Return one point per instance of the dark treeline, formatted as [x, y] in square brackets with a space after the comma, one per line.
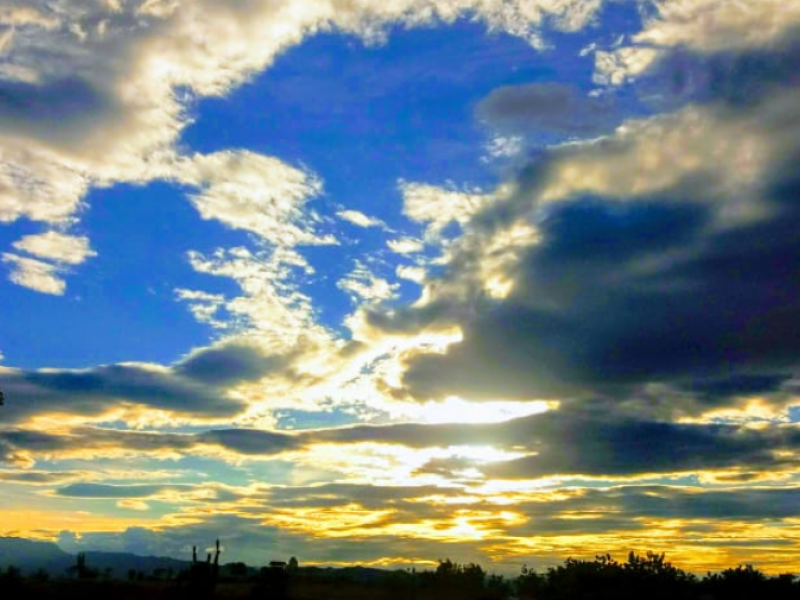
[647, 577]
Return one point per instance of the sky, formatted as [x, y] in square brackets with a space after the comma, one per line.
[379, 283]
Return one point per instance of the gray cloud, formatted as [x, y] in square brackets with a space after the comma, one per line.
[14, 441]
[59, 110]
[738, 78]
[99, 490]
[547, 108]
[229, 363]
[35, 477]
[91, 392]
[195, 386]
[576, 446]
[241, 441]
[250, 441]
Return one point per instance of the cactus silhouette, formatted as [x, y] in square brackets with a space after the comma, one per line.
[80, 570]
[203, 575]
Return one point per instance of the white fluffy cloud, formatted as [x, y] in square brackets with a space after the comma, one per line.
[623, 65]
[270, 305]
[256, 193]
[715, 25]
[702, 26]
[415, 274]
[437, 207]
[35, 275]
[204, 306]
[648, 155]
[405, 245]
[359, 219]
[35, 187]
[364, 286]
[57, 247]
[58, 250]
[99, 78]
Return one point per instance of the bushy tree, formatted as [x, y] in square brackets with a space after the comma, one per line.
[649, 576]
[237, 569]
[741, 582]
[458, 575]
[530, 584]
[293, 565]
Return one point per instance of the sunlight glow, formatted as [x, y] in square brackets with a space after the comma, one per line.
[457, 410]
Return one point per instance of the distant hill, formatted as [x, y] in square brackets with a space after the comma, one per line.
[122, 562]
[30, 556]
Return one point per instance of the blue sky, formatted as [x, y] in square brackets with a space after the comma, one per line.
[482, 276]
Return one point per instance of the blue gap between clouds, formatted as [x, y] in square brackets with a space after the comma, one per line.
[121, 304]
[361, 118]
[364, 117]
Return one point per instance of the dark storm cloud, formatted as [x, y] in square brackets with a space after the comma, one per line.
[749, 504]
[594, 442]
[601, 443]
[622, 294]
[195, 386]
[622, 291]
[577, 446]
[711, 390]
[554, 108]
[734, 77]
